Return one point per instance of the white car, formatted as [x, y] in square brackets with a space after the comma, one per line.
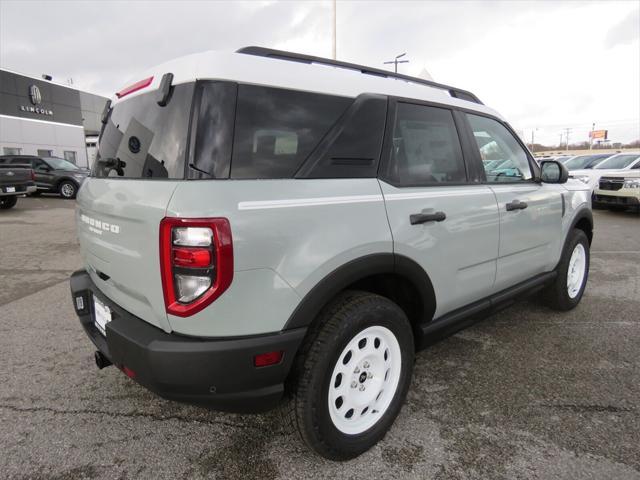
[617, 163]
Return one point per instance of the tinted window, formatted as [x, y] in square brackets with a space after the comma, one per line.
[21, 161]
[585, 161]
[214, 135]
[426, 148]
[352, 147]
[144, 140]
[503, 158]
[277, 129]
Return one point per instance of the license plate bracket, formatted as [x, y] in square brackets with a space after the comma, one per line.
[101, 315]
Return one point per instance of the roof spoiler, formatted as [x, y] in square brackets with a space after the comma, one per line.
[301, 58]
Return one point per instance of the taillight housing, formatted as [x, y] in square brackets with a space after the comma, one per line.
[196, 262]
[33, 175]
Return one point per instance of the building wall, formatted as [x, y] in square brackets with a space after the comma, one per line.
[33, 135]
[58, 118]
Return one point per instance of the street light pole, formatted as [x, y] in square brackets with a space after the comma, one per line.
[395, 61]
[334, 33]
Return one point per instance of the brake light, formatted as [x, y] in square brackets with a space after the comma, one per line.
[33, 175]
[135, 87]
[196, 262]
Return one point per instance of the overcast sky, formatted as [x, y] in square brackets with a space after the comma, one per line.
[544, 65]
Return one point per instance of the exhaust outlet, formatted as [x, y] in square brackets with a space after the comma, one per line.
[101, 360]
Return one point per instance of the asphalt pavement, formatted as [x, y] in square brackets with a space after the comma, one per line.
[528, 393]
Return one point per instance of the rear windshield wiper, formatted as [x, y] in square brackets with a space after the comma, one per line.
[191, 165]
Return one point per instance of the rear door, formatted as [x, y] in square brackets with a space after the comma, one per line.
[140, 162]
[440, 216]
[530, 211]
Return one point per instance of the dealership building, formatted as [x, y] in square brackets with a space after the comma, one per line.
[40, 117]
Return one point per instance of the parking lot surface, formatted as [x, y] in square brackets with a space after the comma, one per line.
[527, 393]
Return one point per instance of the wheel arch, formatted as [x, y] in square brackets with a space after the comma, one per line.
[394, 276]
[583, 220]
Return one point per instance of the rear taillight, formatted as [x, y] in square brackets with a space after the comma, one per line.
[33, 176]
[135, 87]
[196, 262]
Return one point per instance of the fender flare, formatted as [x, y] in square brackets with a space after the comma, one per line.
[583, 213]
[358, 269]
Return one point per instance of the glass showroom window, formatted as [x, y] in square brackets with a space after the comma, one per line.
[45, 153]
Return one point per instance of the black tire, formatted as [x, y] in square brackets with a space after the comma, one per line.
[8, 202]
[339, 322]
[68, 189]
[557, 295]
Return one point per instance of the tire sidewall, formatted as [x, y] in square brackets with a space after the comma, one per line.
[386, 315]
[577, 237]
[8, 202]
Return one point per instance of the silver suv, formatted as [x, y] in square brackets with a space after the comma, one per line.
[263, 227]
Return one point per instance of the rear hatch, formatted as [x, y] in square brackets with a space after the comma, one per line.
[140, 161]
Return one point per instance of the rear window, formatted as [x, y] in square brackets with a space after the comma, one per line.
[276, 129]
[144, 140]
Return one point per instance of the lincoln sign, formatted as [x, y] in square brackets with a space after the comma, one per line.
[36, 98]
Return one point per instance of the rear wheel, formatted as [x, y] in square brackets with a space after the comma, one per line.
[8, 202]
[573, 270]
[68, 189]
[353, 375]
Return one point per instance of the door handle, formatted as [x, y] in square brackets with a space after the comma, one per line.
[418, 218]
[516, 205]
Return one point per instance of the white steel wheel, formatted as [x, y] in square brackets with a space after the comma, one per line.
[364, 380]
[576, 270]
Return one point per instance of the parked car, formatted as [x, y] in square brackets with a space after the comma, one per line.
[619, 191]
[15, 180]
[52, 174]
[616, 163]
[295, 232]
[586, 162]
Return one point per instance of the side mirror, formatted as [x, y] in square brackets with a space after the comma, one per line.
[553, 172]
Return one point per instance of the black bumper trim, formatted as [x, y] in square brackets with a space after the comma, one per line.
[216, 373]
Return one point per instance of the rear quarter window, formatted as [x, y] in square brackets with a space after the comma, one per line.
[277, 129]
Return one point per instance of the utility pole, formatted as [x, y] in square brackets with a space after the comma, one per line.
[593, 127]
[395, 61]
[568, 130]
[560, 142]
[334, 33]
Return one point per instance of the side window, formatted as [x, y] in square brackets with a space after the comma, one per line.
[39, 164]
[277, 129]
[426, 148]
[503, 158]
[70, 156]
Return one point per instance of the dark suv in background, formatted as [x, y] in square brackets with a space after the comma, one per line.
[53, 175]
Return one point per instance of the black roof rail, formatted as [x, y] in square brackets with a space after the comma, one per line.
[378, 72]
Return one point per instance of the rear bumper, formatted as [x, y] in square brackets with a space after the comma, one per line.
[19, 190]
[218, 373]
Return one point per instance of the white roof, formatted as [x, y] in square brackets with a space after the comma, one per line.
[251, 69]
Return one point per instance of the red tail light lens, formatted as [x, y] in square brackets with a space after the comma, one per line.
[196, 262]
[33, 176]
[135, 87]
[192, 257]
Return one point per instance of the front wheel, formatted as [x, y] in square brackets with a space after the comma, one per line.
[8, 202]
[354, 373]
[573, 270]
[68, 190]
